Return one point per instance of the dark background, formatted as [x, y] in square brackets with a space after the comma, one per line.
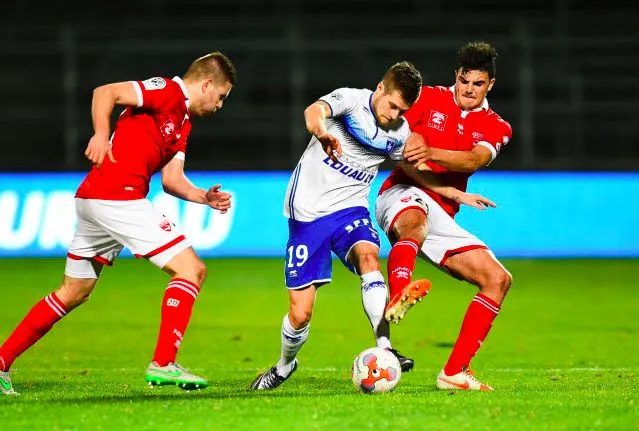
[566, 77]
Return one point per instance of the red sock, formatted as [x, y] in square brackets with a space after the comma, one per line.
[475, 327]
[401, 262]
[177, 306]
[38, 321]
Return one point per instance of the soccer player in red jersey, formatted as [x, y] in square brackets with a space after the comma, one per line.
[462, 135]
[113, 211]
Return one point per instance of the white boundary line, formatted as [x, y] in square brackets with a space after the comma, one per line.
[80, 369]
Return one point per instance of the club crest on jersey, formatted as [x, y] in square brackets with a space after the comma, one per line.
[165, 225]
[437, 120]
[154, 84]
[167, 129]
[390, 145]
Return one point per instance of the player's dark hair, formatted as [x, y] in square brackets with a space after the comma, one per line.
[477, 56]
[216, 66]
[405, 78]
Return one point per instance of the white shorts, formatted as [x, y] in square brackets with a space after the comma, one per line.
[445, 237]
[105, 227]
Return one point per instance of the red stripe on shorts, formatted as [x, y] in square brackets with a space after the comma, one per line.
[164, 247]
[414, 207]
[450, 253]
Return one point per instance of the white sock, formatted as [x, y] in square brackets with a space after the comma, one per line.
[292, 341]
[374, 299]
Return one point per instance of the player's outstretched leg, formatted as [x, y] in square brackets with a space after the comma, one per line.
[404, 300]
[35, 325]
[175, 375]
[292, 341]
[403, 292]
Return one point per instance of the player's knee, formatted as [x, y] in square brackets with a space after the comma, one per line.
[200, 272]
[500, 281]
[193, 270]
[412, 224]
[300, 317]
[505, 281]
[75, 292]
[366, 259]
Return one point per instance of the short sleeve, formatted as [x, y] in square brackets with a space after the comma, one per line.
[154, 94]
[495, 137]
[398, 153]
[341, 100]
[182, 142]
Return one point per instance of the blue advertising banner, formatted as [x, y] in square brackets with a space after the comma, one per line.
[538, 214]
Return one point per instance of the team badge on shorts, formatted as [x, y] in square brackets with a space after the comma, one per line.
[415, 198]
[165, 225]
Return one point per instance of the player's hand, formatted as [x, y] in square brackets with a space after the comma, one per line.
[474, 200]
[417, 152]
[331, 146]
[217, 199]
[98, 148]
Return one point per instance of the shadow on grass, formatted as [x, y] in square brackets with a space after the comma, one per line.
[311, 387]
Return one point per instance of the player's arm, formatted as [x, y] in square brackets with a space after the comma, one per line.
[176, 183]
[104, 100]
[416, 151]
[315, 116]
[461, 161]
[428, 180]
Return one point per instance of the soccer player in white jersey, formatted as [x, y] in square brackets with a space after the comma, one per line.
[354, 131]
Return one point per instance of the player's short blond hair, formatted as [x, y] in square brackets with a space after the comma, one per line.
[405, 78]
[215, 66]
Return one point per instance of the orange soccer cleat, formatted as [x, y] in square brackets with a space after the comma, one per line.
[410, 295]
[464, 380]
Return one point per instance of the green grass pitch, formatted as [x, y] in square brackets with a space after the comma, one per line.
[563, 354]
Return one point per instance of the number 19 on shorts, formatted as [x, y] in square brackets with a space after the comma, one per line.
[297, 255]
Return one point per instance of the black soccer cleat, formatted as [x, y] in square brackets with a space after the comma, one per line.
[270, 379]
[405, 363]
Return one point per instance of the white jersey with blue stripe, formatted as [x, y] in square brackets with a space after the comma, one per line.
[319, 186]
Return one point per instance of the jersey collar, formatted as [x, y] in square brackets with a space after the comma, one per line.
[184, 90]
[483, 106]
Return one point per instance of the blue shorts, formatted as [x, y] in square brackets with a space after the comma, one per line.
[309, 247]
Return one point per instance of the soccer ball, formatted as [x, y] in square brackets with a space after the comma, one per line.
[376, 370]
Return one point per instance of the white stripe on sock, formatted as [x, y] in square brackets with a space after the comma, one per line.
[54, 306]
[409, 243]
[191, 287]
[179, 286]
[486, 304]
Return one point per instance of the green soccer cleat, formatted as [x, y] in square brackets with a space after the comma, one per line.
[174, 374]
[5, 384]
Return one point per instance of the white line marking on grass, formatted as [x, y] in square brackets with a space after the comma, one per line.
[335, 369]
